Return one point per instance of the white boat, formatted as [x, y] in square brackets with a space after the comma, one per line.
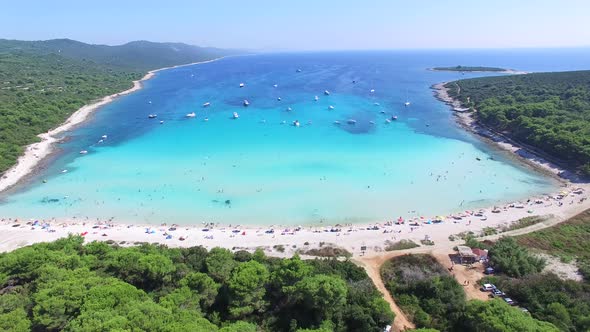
[289, 109]
[336, 122]
[83, 152]
[64, 171]
[394, 117]
[207, 104]
[149, 102]
[235, 116]
[330, 107]
[162, 122]
[407, 103]
[387, 121]
[296, 123]
[326, 92]
[152, 116]
[241, 85]
[351, 121]
[372, 90]
[316, 98]
[276, 85]
[100, 140]
[246, 102]
[104, 136]
[191, 115]
[376, 104]
[372, 122]
[206, 119]
[279, 99]
[283, 122]
[298, 70]
[382, 112]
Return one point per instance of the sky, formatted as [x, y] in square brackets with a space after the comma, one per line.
[305, 24]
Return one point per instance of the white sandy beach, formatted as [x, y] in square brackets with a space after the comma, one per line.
[350, 237]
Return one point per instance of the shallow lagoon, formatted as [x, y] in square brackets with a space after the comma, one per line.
[260, 169]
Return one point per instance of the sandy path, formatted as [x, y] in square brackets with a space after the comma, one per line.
[373, 268]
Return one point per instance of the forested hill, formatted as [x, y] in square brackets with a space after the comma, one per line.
[135, 56]
[43, 82]
[549, 111]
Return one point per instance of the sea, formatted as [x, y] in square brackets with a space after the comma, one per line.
[347, 161]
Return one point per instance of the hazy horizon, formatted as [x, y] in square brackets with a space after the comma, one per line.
[306, 25]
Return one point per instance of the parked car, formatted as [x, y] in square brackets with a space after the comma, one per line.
[497, 292]
[489, 270]
[487, 287]
[509, 301]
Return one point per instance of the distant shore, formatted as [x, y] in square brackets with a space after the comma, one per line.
[502, 71]
[37, 152]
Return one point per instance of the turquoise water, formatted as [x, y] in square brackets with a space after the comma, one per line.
[257, 170]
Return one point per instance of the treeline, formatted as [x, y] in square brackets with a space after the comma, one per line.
[433, 299]
[549, 111]
[68, 286]
[42, 83]
[469, 68]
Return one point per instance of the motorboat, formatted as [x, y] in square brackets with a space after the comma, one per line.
[330, 107]
[376, 104]
[394, 117]
[296, 123]
[191, 115]
[407, 103]
[372, 122]
[372, 90]
[206, 119]
[207, 104]
[298, 70]
[242, 85]
[279, 98]
[387, 121]
[351, 121]
[152, 116]
[276, 85]
[104, 136]
[316, 98]
[326, 92]
[289, 109]
[83, 152]
[235, 115]
[246, 102]
[337, 122]
[162, 122]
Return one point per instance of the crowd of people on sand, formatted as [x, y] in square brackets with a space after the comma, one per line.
[208, 230]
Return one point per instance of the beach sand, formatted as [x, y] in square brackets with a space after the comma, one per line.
[350, 237]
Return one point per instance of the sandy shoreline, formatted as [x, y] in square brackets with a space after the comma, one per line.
[35, 153]
[350, 237]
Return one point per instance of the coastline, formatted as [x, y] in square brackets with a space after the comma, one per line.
[37, 152]
[525, 154]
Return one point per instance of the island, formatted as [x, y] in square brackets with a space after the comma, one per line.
[473, 69]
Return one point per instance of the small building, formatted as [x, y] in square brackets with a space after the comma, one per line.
[480, 254]
[466, 255]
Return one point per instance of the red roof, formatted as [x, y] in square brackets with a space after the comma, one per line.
[479, 252]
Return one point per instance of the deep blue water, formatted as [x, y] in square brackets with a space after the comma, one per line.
[260, 169]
